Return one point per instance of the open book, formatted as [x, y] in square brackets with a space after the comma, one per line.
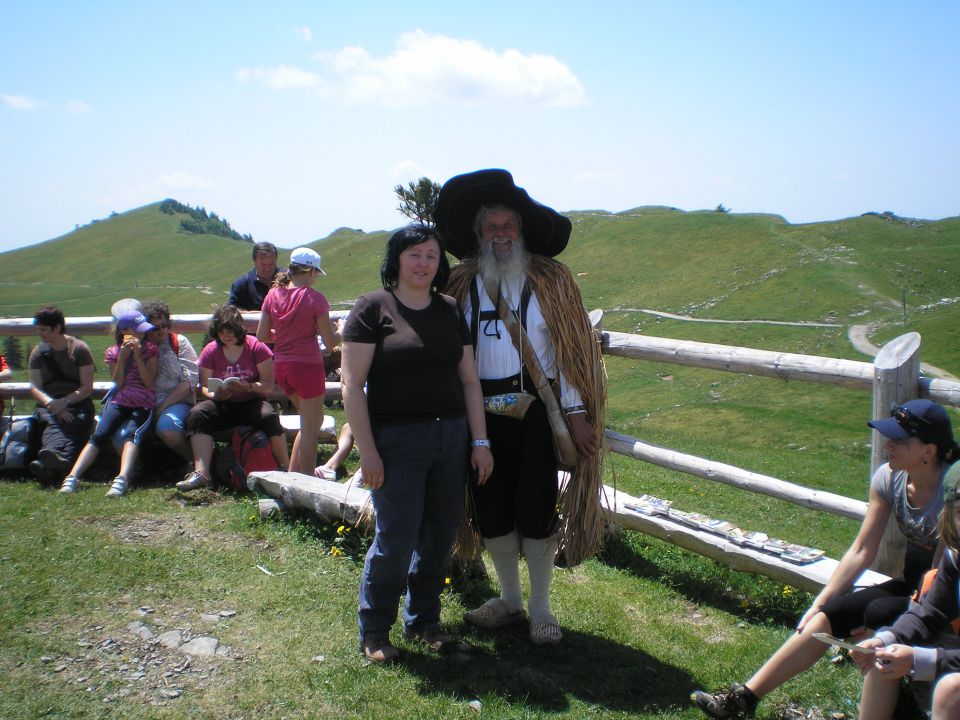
[214, 384]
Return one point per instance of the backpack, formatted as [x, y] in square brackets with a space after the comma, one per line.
[249, 451]
[17, 443]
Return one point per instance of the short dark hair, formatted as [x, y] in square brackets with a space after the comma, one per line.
[51, 316]
[226, 317]
[407, 237]
[155, 308]
[264, 247]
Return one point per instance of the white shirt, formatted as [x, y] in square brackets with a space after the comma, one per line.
[498, 357]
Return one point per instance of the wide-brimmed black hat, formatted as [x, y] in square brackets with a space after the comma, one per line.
[545, 231]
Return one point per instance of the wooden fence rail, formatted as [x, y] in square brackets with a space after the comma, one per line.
[899, 362]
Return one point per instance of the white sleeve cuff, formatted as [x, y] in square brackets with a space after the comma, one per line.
[924, 663]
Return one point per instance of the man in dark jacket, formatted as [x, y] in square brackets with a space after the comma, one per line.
[249, 290]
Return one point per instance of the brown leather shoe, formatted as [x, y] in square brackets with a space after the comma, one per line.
[437, 641]
[380, 651]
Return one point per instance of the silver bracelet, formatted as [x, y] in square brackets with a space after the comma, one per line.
[482, 442]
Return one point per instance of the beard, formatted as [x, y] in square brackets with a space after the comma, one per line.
[507, 269]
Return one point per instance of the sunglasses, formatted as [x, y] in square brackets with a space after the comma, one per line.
[160, 325]
[907, 420]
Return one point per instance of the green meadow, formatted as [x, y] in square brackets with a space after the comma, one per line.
[645, 622]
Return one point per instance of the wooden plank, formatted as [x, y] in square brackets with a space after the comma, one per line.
[786, 366]
[737, 477]
[335, 502]
[810, 577]
[22, 390]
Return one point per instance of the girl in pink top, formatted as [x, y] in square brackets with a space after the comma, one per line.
[133, 365]
[293, 315]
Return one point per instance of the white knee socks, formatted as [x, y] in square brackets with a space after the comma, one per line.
[505, 554]
[539, 555]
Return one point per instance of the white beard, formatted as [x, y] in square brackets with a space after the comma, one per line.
[505, 270]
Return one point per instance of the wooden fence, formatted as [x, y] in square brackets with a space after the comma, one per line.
[893, 376]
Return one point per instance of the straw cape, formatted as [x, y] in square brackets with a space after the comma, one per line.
[580, 533]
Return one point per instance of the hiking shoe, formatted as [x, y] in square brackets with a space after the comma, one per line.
[69, 486]
[50, 460]
[736, 702]
[194, 480]
[41, 473]
[119, 487]
[380, 651]
[494, 614]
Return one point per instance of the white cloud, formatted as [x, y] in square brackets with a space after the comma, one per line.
[20, 102]
[304, 33]
[282, 77]
[425, 68]
[179, 180]
[78, 106]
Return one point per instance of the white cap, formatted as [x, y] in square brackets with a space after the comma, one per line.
[120, 307]
[306, 256]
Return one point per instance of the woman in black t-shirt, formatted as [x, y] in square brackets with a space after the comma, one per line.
[411, 347]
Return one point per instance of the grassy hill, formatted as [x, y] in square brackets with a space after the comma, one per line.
[655, 608]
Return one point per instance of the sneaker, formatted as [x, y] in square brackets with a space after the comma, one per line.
[194, 480]
[737, 702]
[69, 486]
[119, 488]
[325, 473]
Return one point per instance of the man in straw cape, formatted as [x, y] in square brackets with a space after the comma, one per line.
[506, 243]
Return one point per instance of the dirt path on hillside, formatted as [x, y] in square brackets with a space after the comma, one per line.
[859, 336]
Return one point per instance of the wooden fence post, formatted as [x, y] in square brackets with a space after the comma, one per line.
[896, 373]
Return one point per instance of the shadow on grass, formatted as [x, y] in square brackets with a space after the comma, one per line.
[590, 668]
[710, 584]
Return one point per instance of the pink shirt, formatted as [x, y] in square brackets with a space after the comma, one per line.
[133, 393]
[254, 352]
[294, 314]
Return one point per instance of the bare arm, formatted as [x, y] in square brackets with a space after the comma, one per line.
[481, 458]
[357, 359]
[59, 406]
[858, 556]
[264, 386]
[265, 331]
[329, 331]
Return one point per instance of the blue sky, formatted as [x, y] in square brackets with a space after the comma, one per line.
[292, 119]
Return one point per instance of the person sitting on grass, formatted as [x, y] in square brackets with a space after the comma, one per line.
[244, 368]
[133, 365]
[920, 448]
[914, 645]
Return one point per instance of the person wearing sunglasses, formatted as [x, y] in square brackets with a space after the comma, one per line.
[920, 449]
[177, 376]
[921, 644]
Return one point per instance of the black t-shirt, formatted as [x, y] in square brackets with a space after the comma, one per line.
[414, 370]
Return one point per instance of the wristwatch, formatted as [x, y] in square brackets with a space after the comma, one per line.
[482, 442]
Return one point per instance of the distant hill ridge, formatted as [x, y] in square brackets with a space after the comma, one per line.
[868, 269]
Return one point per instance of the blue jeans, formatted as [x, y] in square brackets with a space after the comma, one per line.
[131, 422]
[418, 513]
